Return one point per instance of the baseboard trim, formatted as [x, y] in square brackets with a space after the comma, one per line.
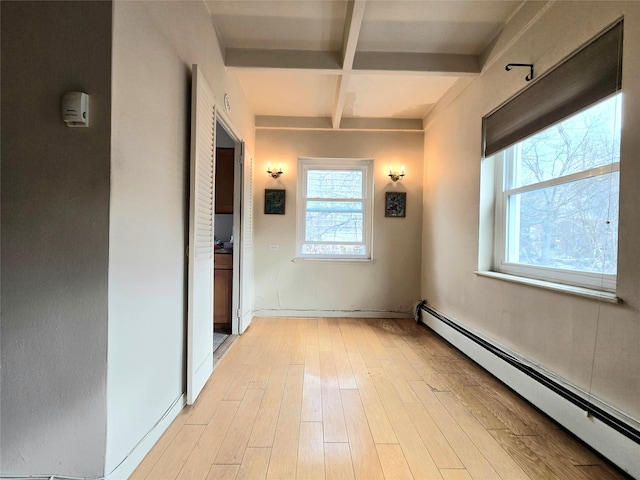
[607, 434]
[332, 313]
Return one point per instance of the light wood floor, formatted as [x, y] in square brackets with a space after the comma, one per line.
[360, 399]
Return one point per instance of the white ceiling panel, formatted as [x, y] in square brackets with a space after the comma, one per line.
[285, 93]
[394, 96]
[463, 27]
[277, 24]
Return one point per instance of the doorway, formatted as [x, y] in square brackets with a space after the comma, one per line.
[225, 224]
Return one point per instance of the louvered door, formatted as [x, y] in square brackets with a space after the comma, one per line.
[201, 216]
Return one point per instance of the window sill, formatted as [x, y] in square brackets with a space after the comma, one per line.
[608, 297]
[334, 261]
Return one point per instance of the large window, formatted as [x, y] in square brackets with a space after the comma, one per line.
[555, 150]
[557, 200]
[334, 208]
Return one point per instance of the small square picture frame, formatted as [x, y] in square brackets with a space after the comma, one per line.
[274, 201]
[395, 204]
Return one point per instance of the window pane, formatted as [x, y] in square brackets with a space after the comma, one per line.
[589, 139]
[572, 225]
[333, 249]
[329, 206]
[334, 184]
[334, 226]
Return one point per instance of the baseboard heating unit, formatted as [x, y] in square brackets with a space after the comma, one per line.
[590, 420]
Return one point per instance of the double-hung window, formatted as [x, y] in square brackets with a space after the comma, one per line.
[557, 171]
[334, 208]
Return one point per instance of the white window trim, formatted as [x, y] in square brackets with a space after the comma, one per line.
[363, 164]
[588, 280]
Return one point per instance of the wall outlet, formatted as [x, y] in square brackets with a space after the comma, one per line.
[273, 247]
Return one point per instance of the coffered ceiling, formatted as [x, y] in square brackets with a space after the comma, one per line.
[353, 64]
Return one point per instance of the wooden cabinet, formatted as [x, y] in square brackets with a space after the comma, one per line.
[222, 288]
[224, 180]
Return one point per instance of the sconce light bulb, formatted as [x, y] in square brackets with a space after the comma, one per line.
[402, 170]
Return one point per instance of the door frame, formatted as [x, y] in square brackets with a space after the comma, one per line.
[238, 184]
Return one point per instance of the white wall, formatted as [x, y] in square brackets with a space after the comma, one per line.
[55, 212]
[154, 46]
[563, 333]
[392, 283]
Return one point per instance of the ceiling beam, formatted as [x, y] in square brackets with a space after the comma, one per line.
[409, 62]
[267, 122]
[293, 123]
[338, 104]
[352, 25]
[307, 60]
[329, 63]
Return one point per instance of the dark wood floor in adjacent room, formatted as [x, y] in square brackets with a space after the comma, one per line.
[336, 398]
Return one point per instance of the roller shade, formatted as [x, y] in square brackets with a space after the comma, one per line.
[589, 75]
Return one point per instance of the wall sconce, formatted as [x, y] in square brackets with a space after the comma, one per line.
[271, 172]
[395, 176]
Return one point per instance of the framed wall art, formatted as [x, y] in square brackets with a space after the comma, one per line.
[274, 202]
[395, 204]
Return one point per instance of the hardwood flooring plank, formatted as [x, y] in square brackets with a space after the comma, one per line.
[400, 385]
[241, 382]
[600, 472]
[334, 428]
[348, 338]
[508, 417]
[324, 336]
[366, 465]
[420, 462]
[312, 332]
[284, 453]
[208, 401]
[475, 463]
[528, 460]
[437, 445]
[223, 472]
[572, 449]
[475, 405]
[310, 452]
[176, 454]
[337, 461]
[260, 378]
[394, 465]
[494, 453]
[386, 330]
[559, 464]
[264, 427]
[343, 366]
[379, 424]
[448, 474]
[403, 365]
[254, 464]
[377, 347]
[311, 390]
[237, 437]
[430, 377]
[205, 451]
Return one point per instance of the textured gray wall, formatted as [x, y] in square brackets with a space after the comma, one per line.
[55, 212]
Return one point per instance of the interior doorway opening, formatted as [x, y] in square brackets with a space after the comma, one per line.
[225, 225]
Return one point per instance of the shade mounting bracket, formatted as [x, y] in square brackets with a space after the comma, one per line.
[529, 77]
